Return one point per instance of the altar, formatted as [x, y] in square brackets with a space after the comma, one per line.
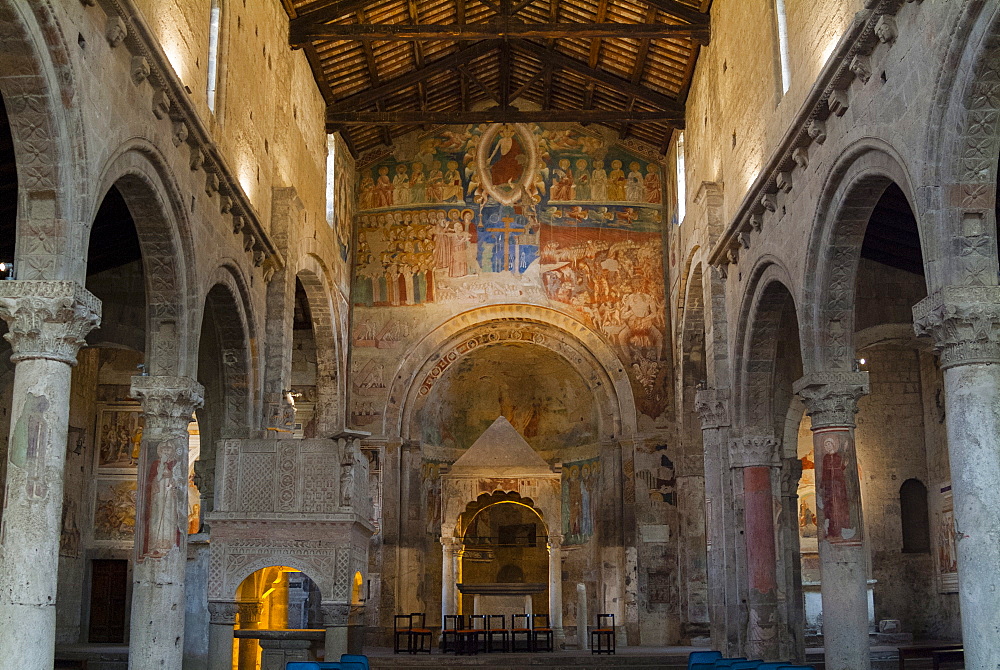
[507, 599]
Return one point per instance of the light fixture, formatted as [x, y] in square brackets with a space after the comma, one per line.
[6, 269]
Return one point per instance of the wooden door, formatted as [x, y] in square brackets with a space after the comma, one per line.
[108, 600]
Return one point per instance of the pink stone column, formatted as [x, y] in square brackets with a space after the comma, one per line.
[158, 574]
[756, 456]
[47, 322]
[965, 323]
[832, 401]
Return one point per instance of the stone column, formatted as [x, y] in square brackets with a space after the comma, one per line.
[47, 322]
[831, 400]
[756, 456]
[791, 562]
[222, 618]
[336, 616]
[249, 619]
[555, 591]
[449, 576]
[965, 323]
[157, 624]
[713, 407]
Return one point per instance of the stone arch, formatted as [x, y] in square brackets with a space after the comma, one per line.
[226, 304]
[963, 149]
[587, 352]
[852, 190]
[498, 497]
[139, 172]
[756, 355]
[37, 83]
[224, 582]
[315, 279]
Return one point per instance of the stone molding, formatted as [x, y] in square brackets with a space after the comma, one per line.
[222, 612]
[335, 615]
[831, 398]
[168, 402]
[828, 100]
[47, 319]
[754, 451]
[713, 407]
[964, 322]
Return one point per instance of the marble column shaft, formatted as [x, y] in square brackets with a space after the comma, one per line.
[965, 323]
[157, 624]
[713, 407]
[222, 618]
[555, 590]
[47, 322]
[756, 456]
[249, 619]
[831, 401]
[336, 617]
[449, 576]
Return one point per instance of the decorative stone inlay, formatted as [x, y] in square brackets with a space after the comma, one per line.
[964, 322]
[168, 402]
[222, 612]
[831, 398]
[713, 407]
[754, 451]
[47, 319]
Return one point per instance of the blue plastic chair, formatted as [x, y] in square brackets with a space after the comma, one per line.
[795, 667]
[747, 665]
[355, 658]
[703, 658]
[350, 665]
[304, 665]
[772, 665]
[728, 663]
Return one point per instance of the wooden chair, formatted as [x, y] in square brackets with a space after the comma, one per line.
[420, 634]
[541, 633]
[401, 625]
[523, 629]
[451, 625]
[602, 638]
[496, 626]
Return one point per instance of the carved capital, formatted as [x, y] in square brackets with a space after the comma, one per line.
[168, 402]
[713, 407]
[222, 612]
[753, 451]
[964, 322]
[831, 398]
[335, 614]
[791, 472]
[451, 544]
[47, 319]
[555, 541]
[249, 612]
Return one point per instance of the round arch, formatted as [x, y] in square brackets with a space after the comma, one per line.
[37, 84]
[756, 354]
[852, 189]
[234, 576]
[590, 355]
[963, 150]
[138, 170]
[315, 279]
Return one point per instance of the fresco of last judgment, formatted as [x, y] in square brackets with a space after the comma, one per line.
[552, 216]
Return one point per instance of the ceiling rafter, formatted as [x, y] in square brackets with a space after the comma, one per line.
[499, 115]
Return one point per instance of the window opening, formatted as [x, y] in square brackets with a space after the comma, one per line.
[214, 25]
[681, 180]
[786, 68]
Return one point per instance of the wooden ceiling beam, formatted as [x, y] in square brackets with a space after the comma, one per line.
[373, 74]
[680, 11]
[625, 86]
[498, 115]
[310, 14]
[447, 64]
[492, 29]
[480, 84]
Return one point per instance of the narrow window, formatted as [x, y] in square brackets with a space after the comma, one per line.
[681, 179]
[914, 518]
[786, 68]
[214, 25]
[331, 180]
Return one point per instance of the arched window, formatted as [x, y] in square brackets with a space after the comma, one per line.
[214, 30]
[913, 517]
[681, 178]
[782, 26]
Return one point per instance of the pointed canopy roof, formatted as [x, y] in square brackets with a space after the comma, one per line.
[501, 452]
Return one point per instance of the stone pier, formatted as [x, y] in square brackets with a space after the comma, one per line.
[47, 322]
[831, 400]
[555, 591]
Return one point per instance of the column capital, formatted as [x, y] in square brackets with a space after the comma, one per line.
[222, 612]
[249, 612]
[555, 541]
[964, 322]
[713, 407]
[47, 319]
[168, 402]
[451, 543]
[752, 451]
[831, 398]
[335, 614]
[791, 472]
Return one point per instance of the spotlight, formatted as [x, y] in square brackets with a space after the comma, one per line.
[6, 270]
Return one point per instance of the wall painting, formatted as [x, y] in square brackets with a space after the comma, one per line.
[580, 482]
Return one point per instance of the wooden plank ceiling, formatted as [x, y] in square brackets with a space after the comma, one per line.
[387, 67]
